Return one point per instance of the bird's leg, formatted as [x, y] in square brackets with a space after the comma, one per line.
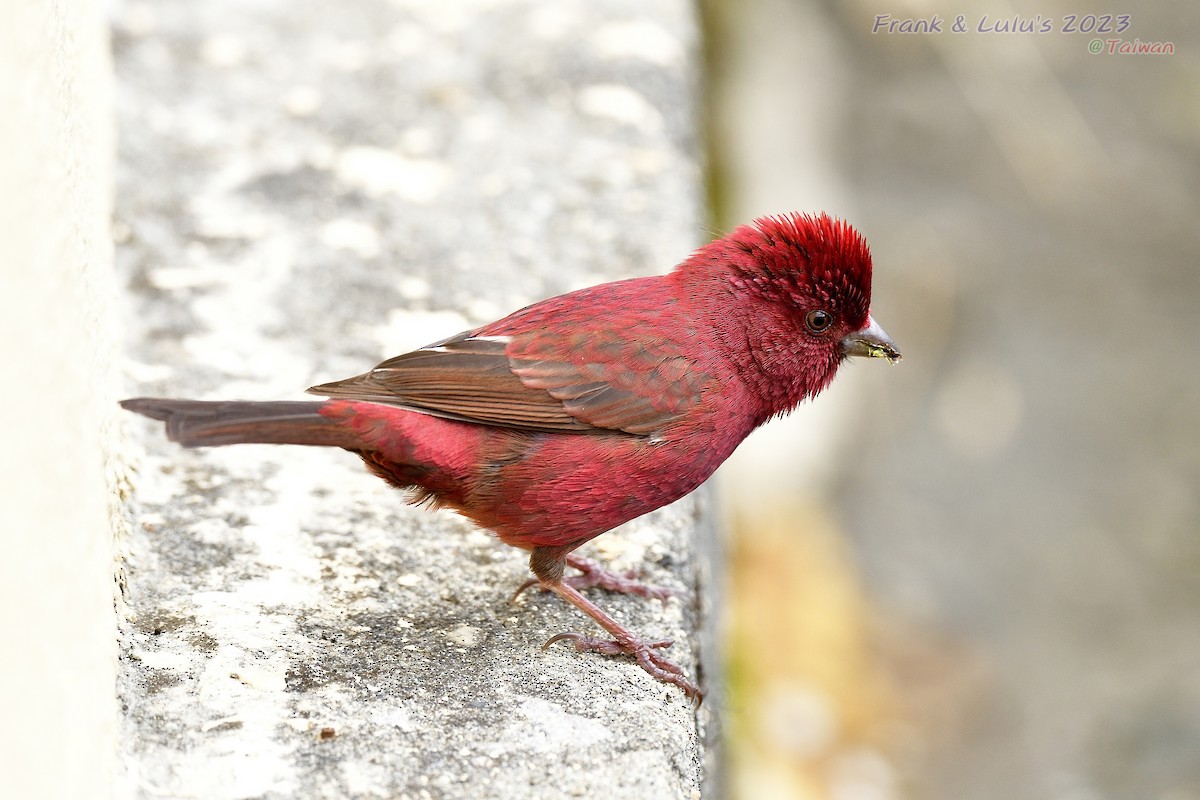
[547, 564]
[594, 574]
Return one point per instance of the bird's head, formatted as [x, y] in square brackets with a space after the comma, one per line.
[799, 289]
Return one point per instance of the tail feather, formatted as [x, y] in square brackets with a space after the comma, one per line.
[202, 423]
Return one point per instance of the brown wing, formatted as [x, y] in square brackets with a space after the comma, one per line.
[581, 383]
[611, 378]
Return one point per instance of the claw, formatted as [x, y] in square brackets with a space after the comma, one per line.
[586, 644]
[558, 637]
[521, 589]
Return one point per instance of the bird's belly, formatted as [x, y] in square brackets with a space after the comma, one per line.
[568, 489]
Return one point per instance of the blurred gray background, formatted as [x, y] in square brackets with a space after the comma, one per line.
[1020, 494]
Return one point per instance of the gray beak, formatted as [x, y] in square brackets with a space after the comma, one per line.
[871, 342]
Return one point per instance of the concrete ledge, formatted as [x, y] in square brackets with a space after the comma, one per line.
[304, 189]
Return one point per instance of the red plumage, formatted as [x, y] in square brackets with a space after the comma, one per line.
[581, 412]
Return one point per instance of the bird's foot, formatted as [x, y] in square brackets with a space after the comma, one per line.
[547, 564]
[643, 652]
[593, 574]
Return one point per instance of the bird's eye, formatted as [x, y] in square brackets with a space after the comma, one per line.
[818, 321]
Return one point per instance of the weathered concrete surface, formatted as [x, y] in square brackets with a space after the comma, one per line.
[56, 506]
[306, 188]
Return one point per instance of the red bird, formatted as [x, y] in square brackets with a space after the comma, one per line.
[584, 411]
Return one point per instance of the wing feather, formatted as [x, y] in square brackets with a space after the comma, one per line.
[595, 383]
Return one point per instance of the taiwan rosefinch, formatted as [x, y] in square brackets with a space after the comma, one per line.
[581, 412]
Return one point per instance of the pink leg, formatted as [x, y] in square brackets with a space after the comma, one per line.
[547, 564]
